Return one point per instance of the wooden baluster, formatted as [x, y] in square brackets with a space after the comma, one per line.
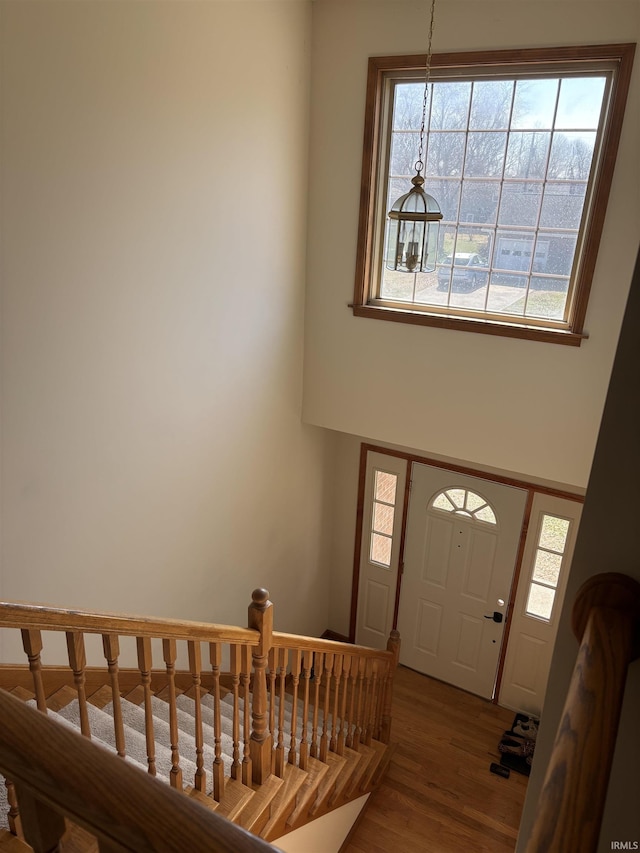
[111, 648]
[283, 656]
[215, 658]
[353, 690]
[235, 663]
[78, 663]
[383, 672]
[13, 814]
[195, 666]
[260, 619]
[346, 667]
[393, 645]
[376, 701]
[169, 654]
[368, 700]
[307, 662]
[296, 659]
[328, 668]
[335, 722]
[32, 644]
[247, 771]
[358, 732]
[272, 702]
[43, 826]
[318, 672]
[143, 645]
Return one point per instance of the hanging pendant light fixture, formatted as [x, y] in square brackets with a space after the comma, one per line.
[414, 219]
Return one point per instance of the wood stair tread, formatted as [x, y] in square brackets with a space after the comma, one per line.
[354, 761]
[23, 693]
[102, 696]
[236, 796]
[257, 812]
[61, 698]
[368, 756]
[165, 693]
[316, 772]
[135, 696]
[12, 844]
[204, 800]
[379, 750]
[284, 802]
[336, 765]
[383, 766]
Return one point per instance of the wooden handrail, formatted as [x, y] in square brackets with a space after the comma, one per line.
[314, 644]
[355, 704]
[63, 773]
[40, 617]
[606, 621]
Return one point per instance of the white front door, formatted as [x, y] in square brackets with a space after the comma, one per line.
[545, 568]
[461, 547]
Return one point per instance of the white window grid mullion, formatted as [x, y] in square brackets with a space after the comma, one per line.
[544, 186]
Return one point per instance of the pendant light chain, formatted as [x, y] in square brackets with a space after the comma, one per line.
[427, 73]
[413, 222]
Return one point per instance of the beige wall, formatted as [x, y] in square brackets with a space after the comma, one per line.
[153, 457]
[608, 540]
[522, 406]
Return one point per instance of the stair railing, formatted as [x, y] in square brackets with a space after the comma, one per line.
[341, 693]
[606, 622]
[58, 773]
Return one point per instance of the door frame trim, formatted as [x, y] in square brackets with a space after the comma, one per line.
[526, 485]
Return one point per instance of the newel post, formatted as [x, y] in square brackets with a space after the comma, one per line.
[606, 621]
[260, 619]
[393, 646]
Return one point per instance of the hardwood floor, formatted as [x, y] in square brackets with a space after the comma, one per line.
[438, 794]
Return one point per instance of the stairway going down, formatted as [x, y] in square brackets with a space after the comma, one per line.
[268, 741]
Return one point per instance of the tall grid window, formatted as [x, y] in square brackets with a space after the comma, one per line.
[547, 564]
[382, 517]
[519, 155]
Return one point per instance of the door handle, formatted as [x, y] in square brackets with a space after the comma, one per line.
[496, 616]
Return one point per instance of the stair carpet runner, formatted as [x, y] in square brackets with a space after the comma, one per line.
[324, 783]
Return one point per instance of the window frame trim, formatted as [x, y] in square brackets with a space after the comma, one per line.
[366, 305]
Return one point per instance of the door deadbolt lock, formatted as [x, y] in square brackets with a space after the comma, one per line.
[496, 616]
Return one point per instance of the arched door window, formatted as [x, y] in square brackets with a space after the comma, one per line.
[465, 502]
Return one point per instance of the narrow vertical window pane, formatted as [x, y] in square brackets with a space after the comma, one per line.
[540, 602]
[386, 487]
[381, 549]
[383, 518]
[553, 535]
[547, 567]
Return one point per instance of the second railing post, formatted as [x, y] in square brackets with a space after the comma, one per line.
[260, 619]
